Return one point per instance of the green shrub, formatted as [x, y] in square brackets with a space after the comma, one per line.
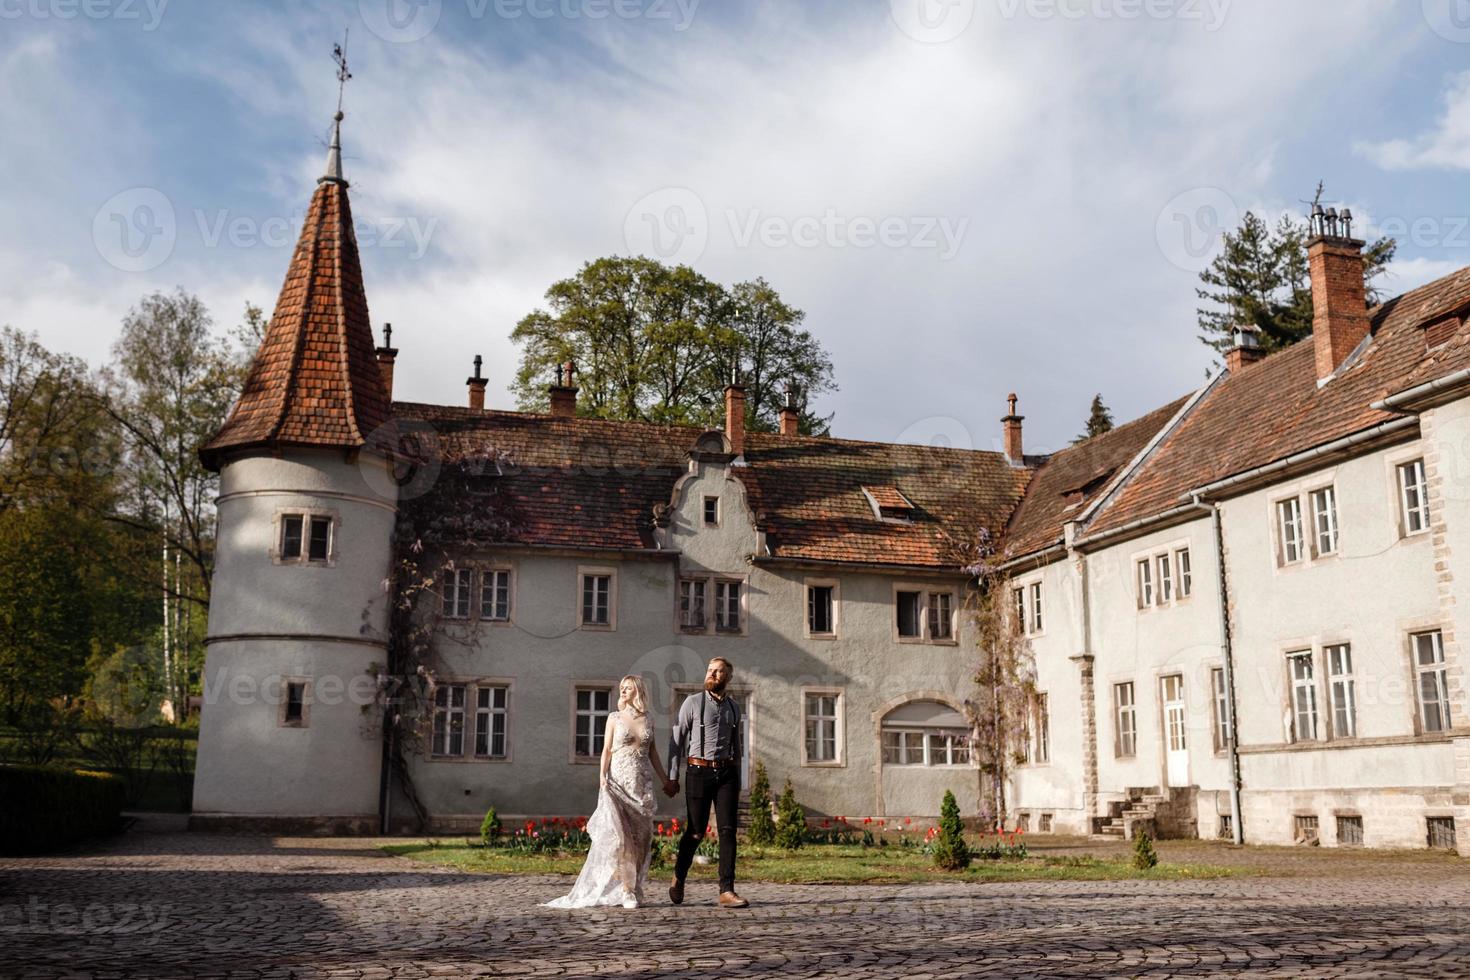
[48, 808]
[790, 820]
[1144, 855]
[490, 828]
[762, 829]
[950, 850]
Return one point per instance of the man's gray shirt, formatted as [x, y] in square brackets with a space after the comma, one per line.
[705, 729]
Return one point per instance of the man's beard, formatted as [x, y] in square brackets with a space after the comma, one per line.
[715, 686]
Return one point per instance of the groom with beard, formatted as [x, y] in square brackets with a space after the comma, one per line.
[707, 732]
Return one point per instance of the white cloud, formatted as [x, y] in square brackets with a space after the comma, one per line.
[1445, 146]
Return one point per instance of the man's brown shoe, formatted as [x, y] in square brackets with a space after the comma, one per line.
[730, 900]
[676, 892]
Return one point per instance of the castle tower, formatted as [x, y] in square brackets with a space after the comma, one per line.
[307, 504]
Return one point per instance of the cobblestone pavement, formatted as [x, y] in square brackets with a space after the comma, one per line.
[159, 902]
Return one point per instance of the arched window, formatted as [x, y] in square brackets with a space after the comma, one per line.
[925, 733]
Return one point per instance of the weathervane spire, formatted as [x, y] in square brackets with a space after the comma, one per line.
[334, 153]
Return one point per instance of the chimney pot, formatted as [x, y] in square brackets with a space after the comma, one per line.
[477, 387]
[790, 414]
[1245, 351]
[387, 354]
[1339, 296]
[563, 392]
[1014, 451]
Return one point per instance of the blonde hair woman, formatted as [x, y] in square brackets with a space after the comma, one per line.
[621, 826]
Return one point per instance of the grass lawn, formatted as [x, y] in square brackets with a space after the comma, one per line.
[816, 864]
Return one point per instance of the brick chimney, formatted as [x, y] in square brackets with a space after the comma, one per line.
[387, 354]
[790, 414]
[1013, 433]
[1245, 350]
[564, 393]
[1339, 298]
[477, 387]
[735, 415]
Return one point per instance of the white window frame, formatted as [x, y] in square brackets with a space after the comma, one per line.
[1125, 736]
[806, 612]
[1411, 512]
[450, 712]
[1041, 727]
[1302, 694]
[1342, 695]
[1184, 569]
[947, 615]
[583, 573]
[457, 583]
[1438, 670]
[1018, 607]
[510, 594]
[839, 760]
[921, 630]
[698, 590]
[722, 606]
[1290, 542]
[951, 742]
[704, 503]
[1035, 595]
[1143, 570]
[1164, 566]
[307, 515]
[1324, 521]
[488, 714]
[1220, 710]
[597, 726]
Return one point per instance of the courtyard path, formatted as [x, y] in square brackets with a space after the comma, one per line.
[159, 902]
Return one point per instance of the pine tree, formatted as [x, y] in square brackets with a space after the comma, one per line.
[762, 829]
[1099, 420]
[790, 820]
[1261, 278]
[951, 853]
[1144, 855]
[490, 828]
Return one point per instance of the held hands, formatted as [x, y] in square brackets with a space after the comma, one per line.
[671, 786]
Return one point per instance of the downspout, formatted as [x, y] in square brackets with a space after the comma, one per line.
[1237, 832]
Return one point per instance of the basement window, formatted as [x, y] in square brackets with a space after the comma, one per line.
[1306, 829]
[1350, 831]
[1441, 831]
[1226, 830]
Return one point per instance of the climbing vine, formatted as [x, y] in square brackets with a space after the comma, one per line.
[1005, 674]
[463, 509]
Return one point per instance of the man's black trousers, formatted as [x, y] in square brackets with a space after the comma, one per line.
[703, 788]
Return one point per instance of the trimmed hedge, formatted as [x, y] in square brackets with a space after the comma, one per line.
[42, 809]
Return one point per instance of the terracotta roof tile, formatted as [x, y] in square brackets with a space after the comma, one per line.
[1275, 409]
[315, 380]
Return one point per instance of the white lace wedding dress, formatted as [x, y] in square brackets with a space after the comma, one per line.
[621, 827]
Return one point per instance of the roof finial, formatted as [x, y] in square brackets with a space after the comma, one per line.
[334, 153]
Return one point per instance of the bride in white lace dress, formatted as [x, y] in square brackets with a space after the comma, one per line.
[621, 827]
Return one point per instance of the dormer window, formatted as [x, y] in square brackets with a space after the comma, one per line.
[1439, 332]
[889, 504]
[1076, 495]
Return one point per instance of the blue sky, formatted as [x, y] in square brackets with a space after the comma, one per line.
[967, 197]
